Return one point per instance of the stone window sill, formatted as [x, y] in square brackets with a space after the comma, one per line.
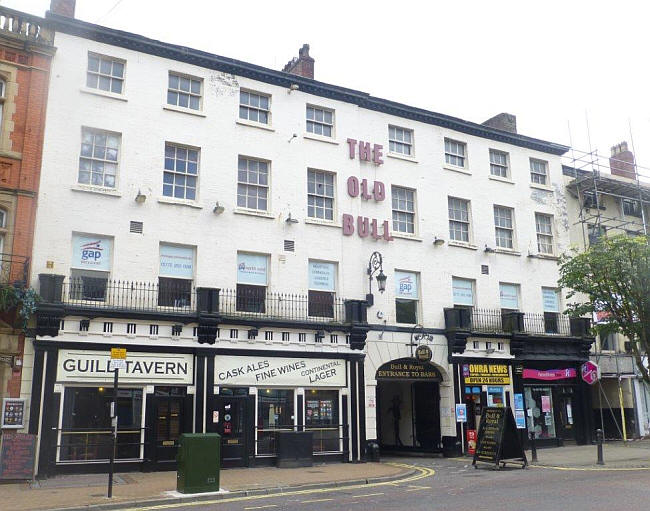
[460, 170]
[244, 122]
[507, 251]
[404, 236]
[252, 212]
[402, 157]
[461, 244]
[96, 189]
[105, 94]
[541, 187]
[179, 202]
[550, 257]
[182, 110]
[319, 138]
[326, 223]
[501, 179]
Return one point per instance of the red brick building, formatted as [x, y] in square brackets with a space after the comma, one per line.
[26, 51]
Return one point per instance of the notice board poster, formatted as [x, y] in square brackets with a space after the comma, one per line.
[498, 440]
[17, 456]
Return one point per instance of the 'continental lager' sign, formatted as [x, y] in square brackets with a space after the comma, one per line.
[486, 374]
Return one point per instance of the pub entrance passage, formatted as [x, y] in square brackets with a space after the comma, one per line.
[408, 406]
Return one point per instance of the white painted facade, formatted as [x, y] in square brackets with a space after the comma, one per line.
[145, 123]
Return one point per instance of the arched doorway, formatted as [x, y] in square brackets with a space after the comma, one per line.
[408, 406]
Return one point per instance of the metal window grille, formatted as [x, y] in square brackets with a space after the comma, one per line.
[302, 337]
[108, 327]
[153, 329]
[268, 335]
[131, 328]
[234, 333]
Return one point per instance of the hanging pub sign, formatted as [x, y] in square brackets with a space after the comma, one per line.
[423, 353]
[498, 440]
[486, 374]
[408, 369]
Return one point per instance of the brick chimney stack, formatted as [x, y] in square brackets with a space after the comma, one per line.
[302, 65]
[63, 7]
[621, 162]
[503, 122]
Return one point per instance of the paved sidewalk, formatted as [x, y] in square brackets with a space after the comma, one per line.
[83, 490]
[634, 454]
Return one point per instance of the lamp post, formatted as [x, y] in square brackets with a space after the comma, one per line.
[375, 264]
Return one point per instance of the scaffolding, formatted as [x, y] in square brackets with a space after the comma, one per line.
[613, 194]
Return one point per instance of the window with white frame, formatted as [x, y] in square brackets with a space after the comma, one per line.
[538, 171]
[254, 107]
[455, 153]
[503, 227]
[499, 163]
[406, 297]
[403, 209]
[463, 292]
[320, 121]
[98, 158]
[400, 140]
[252, 184]
[252, 280]
[181, 172]
[459, 219]
[105, 73]
[320, 194]
[509, 297]
[551, 306]
[90, 266]
[544, 228]
[184, 91]
[322, 289]
[176, 275]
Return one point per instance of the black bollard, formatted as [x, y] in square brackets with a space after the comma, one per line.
[533, 449]
[599, 441]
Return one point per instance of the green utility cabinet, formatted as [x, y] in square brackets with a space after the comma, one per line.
[199, 463]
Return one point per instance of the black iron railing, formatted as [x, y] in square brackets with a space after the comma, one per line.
[502, 321]
[179, 296]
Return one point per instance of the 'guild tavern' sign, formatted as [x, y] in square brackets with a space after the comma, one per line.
[366, 227]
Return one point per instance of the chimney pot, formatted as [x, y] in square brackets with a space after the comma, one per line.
[302, 65]
[63, 7]
[621, 161]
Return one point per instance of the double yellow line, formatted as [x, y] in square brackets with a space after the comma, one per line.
[420, 473]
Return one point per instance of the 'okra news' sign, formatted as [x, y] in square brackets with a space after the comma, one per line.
[279, 371]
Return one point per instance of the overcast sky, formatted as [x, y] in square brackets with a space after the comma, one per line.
[551, 63]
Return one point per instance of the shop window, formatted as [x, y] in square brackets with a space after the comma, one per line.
[86, 428]
[252, 280]
[274, 412]
[322, 418]
[176, 275]
[539, 400]
[406, 297]
[495, 396]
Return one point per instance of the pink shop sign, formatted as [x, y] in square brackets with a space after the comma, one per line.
[549, 374]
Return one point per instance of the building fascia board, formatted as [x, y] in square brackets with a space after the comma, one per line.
[200, 58]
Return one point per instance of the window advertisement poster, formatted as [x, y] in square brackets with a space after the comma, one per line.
[546, 404]
[406, 285]
[519, 401]
[461, 412]
[509, 296]
[252, 269]
[176, 261]
[463, 292]
[91, 252]
[322, 276]
[551, 300]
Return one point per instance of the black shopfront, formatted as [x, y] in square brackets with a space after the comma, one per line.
[167, 391]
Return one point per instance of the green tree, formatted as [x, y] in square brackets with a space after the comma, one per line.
[612, 278]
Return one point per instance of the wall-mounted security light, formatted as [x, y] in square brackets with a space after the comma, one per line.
[292, 87]
[218, 209]
[489, 250]
[438, 241]
[140, 198]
